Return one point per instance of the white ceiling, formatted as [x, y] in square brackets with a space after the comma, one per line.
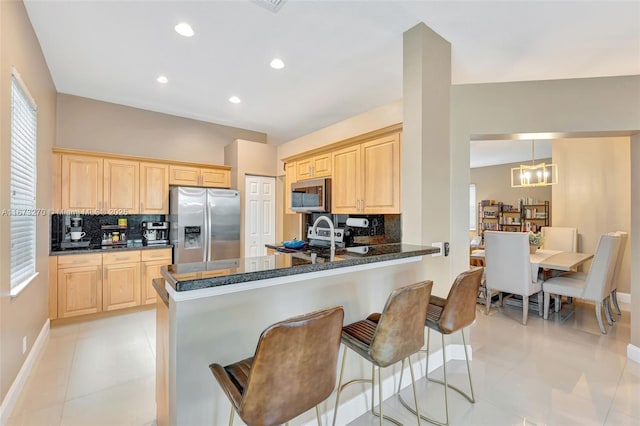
[342, 57]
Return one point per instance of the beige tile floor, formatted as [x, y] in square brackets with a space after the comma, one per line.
[556, 372]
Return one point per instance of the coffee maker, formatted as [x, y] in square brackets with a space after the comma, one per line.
[73, 233]
[155, 233]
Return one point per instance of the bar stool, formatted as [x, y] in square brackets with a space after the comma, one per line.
[386, 338]
[293, 370]
[446, 317]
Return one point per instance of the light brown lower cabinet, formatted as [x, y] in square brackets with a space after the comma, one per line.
[152, 261]
[121, 286]
[90, 283]
[79, 285]
[79, 291]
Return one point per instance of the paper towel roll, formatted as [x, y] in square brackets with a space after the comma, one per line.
[358, 222]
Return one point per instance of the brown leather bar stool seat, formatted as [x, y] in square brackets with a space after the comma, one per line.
[293, 370]
[386, 338]
[447, 316]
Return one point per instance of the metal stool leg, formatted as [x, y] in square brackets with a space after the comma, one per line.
[446, 382]
[339, 390]
[318, 416]
[231, 416]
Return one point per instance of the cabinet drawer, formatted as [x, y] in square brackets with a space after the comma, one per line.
[158, 254]
[121, 257]
[74, 260]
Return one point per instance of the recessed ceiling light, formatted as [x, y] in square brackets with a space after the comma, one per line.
[277, 64]
[184, 29]
[162, 79]
[234, 100]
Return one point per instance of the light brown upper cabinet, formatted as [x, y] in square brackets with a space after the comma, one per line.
[314, 167]
[154, 188]
[366, 177]
[215, 178]
[82, 182]
[121, 185]
[347, 177]
[199, 176]
[289, 178]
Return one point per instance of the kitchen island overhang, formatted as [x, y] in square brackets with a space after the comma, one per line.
[221, 321]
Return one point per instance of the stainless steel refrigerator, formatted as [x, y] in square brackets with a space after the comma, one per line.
[205, 224]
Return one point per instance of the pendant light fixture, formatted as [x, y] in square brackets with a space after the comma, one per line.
[530, 175]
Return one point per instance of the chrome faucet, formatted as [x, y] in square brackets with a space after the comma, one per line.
[332, 236]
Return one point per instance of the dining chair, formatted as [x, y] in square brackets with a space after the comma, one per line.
[616, 272]
[508, 268]
[560, 238]
[595, 286]
[293, 370]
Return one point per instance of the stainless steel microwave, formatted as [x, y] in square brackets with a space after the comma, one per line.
[311, 196]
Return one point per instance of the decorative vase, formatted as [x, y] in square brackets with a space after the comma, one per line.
[532, 249]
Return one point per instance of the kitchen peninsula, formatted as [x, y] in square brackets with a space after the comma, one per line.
[215, 312]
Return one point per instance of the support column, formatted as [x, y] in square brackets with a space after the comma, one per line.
[426, 174]
[633, 351]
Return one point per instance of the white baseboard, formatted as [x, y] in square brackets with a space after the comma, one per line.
[624, 297]
[9, 402]
[353, 408]
[633, 353]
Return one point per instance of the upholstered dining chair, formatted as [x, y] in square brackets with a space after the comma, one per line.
[386, 338]
[595, 286]
[293, 370]
[560, 238]
[508, 268]
[616, 272]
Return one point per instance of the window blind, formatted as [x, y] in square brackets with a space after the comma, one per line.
[23, 183]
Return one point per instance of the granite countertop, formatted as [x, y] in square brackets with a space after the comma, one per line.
[105, 249]
[193, 276]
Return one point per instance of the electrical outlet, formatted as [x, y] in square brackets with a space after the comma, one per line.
[24, 344]
[438, 245]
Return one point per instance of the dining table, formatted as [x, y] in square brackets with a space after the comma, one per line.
[548, 259]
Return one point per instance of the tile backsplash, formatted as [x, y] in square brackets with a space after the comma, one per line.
[92, 226]
[382, 228]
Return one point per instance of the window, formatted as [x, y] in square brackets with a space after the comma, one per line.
[472, 207]
[23, 185]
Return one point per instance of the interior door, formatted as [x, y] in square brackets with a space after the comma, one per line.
[260, 210]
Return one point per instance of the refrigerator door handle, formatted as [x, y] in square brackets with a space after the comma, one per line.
[207, 227]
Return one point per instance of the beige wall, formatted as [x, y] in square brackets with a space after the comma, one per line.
[93, 125]
[576, 105]
[634, 240]
[25, 314]
[594, 193]
[377, 118]
[494, 183]
[249, 158]
[289, 225]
